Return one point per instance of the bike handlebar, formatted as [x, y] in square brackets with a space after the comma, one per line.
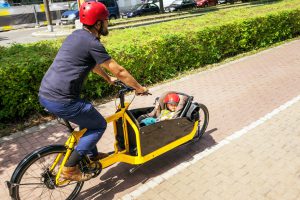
[126, 88]
[123, 86]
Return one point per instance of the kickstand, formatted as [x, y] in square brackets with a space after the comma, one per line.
[132, 170]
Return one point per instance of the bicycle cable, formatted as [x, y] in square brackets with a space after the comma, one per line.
[129, 103]
[132, 99]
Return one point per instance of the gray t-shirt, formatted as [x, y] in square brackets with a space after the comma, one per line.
[78, 55]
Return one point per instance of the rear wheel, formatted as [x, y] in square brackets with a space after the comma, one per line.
[33, 179]
[203, 121]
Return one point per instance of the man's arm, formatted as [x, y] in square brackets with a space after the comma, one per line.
[122, 74]
[98, 70]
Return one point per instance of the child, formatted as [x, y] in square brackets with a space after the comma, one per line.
[170, 104]
[171, 101]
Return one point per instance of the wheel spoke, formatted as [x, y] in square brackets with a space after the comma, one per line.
[43, 192]
[28, 194]
[32, 174]
[51, 192]
[33, 177]
[29, 184]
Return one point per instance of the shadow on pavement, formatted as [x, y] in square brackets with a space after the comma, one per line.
[118, 178]
[12, 152]
[3, 38]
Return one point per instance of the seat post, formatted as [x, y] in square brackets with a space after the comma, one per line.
[71, 129]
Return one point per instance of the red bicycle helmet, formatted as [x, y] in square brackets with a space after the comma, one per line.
[172, 98]
[91, 12]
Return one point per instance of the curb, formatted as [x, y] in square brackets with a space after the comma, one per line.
[46, 33]
[62, 32]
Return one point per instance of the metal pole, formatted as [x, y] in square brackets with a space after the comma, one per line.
[48, 16]
[161, 6]
[36, 18]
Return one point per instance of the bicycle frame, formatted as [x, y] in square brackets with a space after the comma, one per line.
[120, 156]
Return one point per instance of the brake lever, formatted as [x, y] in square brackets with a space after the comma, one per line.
[128, 88]
[118, 83]
[144, 94]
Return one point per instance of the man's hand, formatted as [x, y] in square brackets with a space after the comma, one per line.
[111, 80]
[142, 91]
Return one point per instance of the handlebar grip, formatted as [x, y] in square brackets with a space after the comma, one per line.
[144, 93]
[119, 83]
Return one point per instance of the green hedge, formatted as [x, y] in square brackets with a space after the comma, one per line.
[151, 58]
[22, 68]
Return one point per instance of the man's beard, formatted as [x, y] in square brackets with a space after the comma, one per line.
[103, 31]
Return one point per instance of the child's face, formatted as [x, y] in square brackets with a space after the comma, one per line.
[171, 107]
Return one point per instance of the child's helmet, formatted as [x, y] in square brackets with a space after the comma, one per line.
[91, 12]
[172, 98]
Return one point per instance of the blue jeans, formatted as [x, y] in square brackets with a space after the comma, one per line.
[83, 114]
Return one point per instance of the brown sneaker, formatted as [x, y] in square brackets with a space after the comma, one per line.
[74, 174]
[99, 156]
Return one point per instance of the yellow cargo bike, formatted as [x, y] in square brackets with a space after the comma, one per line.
[38, 175]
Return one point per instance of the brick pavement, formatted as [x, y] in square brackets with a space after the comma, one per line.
[236, 94]
[262, 164]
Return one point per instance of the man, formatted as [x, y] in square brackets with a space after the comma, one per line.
[59, 92]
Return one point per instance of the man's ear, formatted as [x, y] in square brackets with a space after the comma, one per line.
[98, 24]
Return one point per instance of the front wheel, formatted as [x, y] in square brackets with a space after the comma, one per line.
[203, 121]
[32, 179]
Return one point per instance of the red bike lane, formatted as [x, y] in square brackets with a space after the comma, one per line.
[236, 94]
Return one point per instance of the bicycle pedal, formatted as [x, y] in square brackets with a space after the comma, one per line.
[93, 168]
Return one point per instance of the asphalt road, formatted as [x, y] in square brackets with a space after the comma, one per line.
[22, 36]
[25, 35]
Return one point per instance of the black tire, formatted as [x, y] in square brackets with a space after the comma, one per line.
[203, 121]
[34, 170]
